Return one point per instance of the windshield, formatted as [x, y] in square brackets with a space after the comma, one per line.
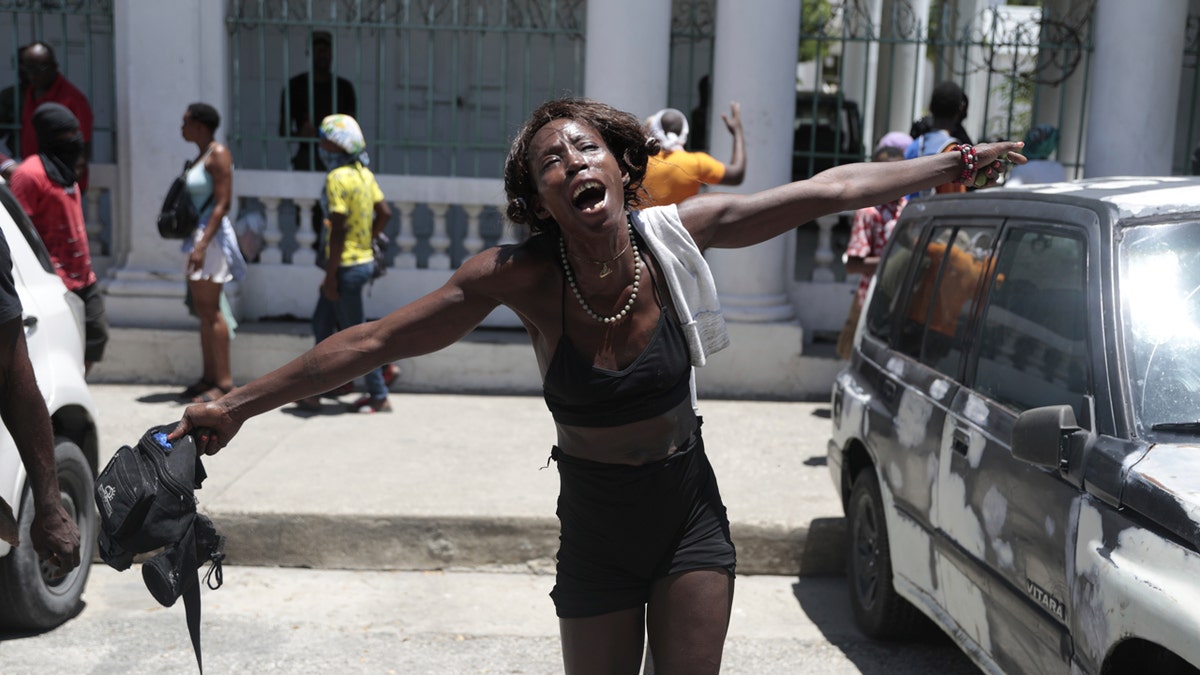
[1160, 312]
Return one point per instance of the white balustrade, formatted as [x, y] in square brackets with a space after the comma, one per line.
[440, 240]
[473, 242]
[406, 241]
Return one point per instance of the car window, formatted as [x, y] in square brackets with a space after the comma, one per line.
[1033, 337]
[889, 280]
[1160, 312]
[948, 278]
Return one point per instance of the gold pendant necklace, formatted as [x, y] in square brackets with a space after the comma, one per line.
[637, 278]
[605, 270]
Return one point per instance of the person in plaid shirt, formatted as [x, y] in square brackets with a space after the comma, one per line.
[872, 227]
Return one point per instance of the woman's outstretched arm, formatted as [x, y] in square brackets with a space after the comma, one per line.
[425, 325]
[725, 220]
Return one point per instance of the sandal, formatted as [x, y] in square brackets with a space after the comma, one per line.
[202, 385]
[367, 404]
[216, 392]
[310, 403]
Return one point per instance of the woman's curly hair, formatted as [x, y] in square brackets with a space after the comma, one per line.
[622, 133]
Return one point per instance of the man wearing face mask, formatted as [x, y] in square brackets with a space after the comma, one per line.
[46, 186]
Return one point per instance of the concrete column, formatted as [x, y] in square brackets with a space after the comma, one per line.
[169, 54]
[906, 20]
[1062, 105]
[754, 63]
[628, 54]
[1135, 87]
[860, 66]
[972, 22]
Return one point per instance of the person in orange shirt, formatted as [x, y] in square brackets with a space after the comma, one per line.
[675, 174]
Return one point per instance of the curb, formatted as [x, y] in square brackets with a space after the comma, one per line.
[408, 543]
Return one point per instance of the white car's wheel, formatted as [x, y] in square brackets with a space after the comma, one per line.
[29, 597]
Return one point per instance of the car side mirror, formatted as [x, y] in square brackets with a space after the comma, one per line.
[1040, 436]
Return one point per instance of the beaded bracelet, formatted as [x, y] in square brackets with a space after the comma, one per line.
[970, 163]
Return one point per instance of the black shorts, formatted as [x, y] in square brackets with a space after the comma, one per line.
[95, 323]
[624, 527]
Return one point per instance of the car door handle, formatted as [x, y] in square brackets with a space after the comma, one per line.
[960, 441]
[29, 322]
[889, 390]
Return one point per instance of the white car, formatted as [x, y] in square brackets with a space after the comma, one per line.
[53, 317]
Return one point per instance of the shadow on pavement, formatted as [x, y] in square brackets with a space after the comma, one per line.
[826, 602]
[164, 397]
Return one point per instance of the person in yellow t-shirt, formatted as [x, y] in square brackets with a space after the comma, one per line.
[355, 212]
[675, 174]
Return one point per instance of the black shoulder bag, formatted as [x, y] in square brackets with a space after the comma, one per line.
[179, 216]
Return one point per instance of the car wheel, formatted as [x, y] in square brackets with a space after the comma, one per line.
[879, 611]
[29, 597]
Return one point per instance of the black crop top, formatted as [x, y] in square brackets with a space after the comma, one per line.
[580, 394]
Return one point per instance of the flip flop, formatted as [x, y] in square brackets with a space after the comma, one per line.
[212, 394]
[202, 385]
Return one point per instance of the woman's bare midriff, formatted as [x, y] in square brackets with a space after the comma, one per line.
[635, 443]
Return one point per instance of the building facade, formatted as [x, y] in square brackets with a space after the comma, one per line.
[442, 85]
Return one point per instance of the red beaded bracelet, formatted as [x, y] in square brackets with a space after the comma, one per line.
[970, 163]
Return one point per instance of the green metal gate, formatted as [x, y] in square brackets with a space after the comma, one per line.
[441, 85]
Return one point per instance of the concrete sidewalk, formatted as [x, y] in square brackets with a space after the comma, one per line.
[450, 481]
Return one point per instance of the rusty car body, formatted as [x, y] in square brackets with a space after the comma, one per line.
[1016, 438]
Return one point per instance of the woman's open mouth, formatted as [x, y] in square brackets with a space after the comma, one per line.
[589, 195]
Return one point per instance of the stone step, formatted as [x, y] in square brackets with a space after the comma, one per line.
[764, 361]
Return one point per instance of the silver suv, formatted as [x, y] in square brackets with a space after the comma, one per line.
[29, 597]
[1016, 439]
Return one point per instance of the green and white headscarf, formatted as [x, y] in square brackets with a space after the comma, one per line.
[344, 132]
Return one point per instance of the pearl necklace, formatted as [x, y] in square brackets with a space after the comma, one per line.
[637, 277]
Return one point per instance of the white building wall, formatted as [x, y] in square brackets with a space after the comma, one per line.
[170, 53]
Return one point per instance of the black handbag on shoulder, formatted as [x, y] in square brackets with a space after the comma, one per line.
[179, 215]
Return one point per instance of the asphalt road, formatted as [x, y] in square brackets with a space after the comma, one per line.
[285, 620]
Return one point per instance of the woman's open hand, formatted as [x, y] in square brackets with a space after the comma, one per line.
[995, 160]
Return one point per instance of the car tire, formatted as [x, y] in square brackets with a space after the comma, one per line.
[28, 598]
[879, 611]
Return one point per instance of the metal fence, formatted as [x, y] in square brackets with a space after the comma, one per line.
[693, 27]
[440, 85]
[1018, 66]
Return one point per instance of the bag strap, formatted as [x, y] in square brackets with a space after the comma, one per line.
[191, 605]
[187, 166]
[204, 205]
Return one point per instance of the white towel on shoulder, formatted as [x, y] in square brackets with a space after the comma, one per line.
[691, 282]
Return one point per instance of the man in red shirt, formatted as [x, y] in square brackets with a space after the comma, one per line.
[47, 85]
[45, 185]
